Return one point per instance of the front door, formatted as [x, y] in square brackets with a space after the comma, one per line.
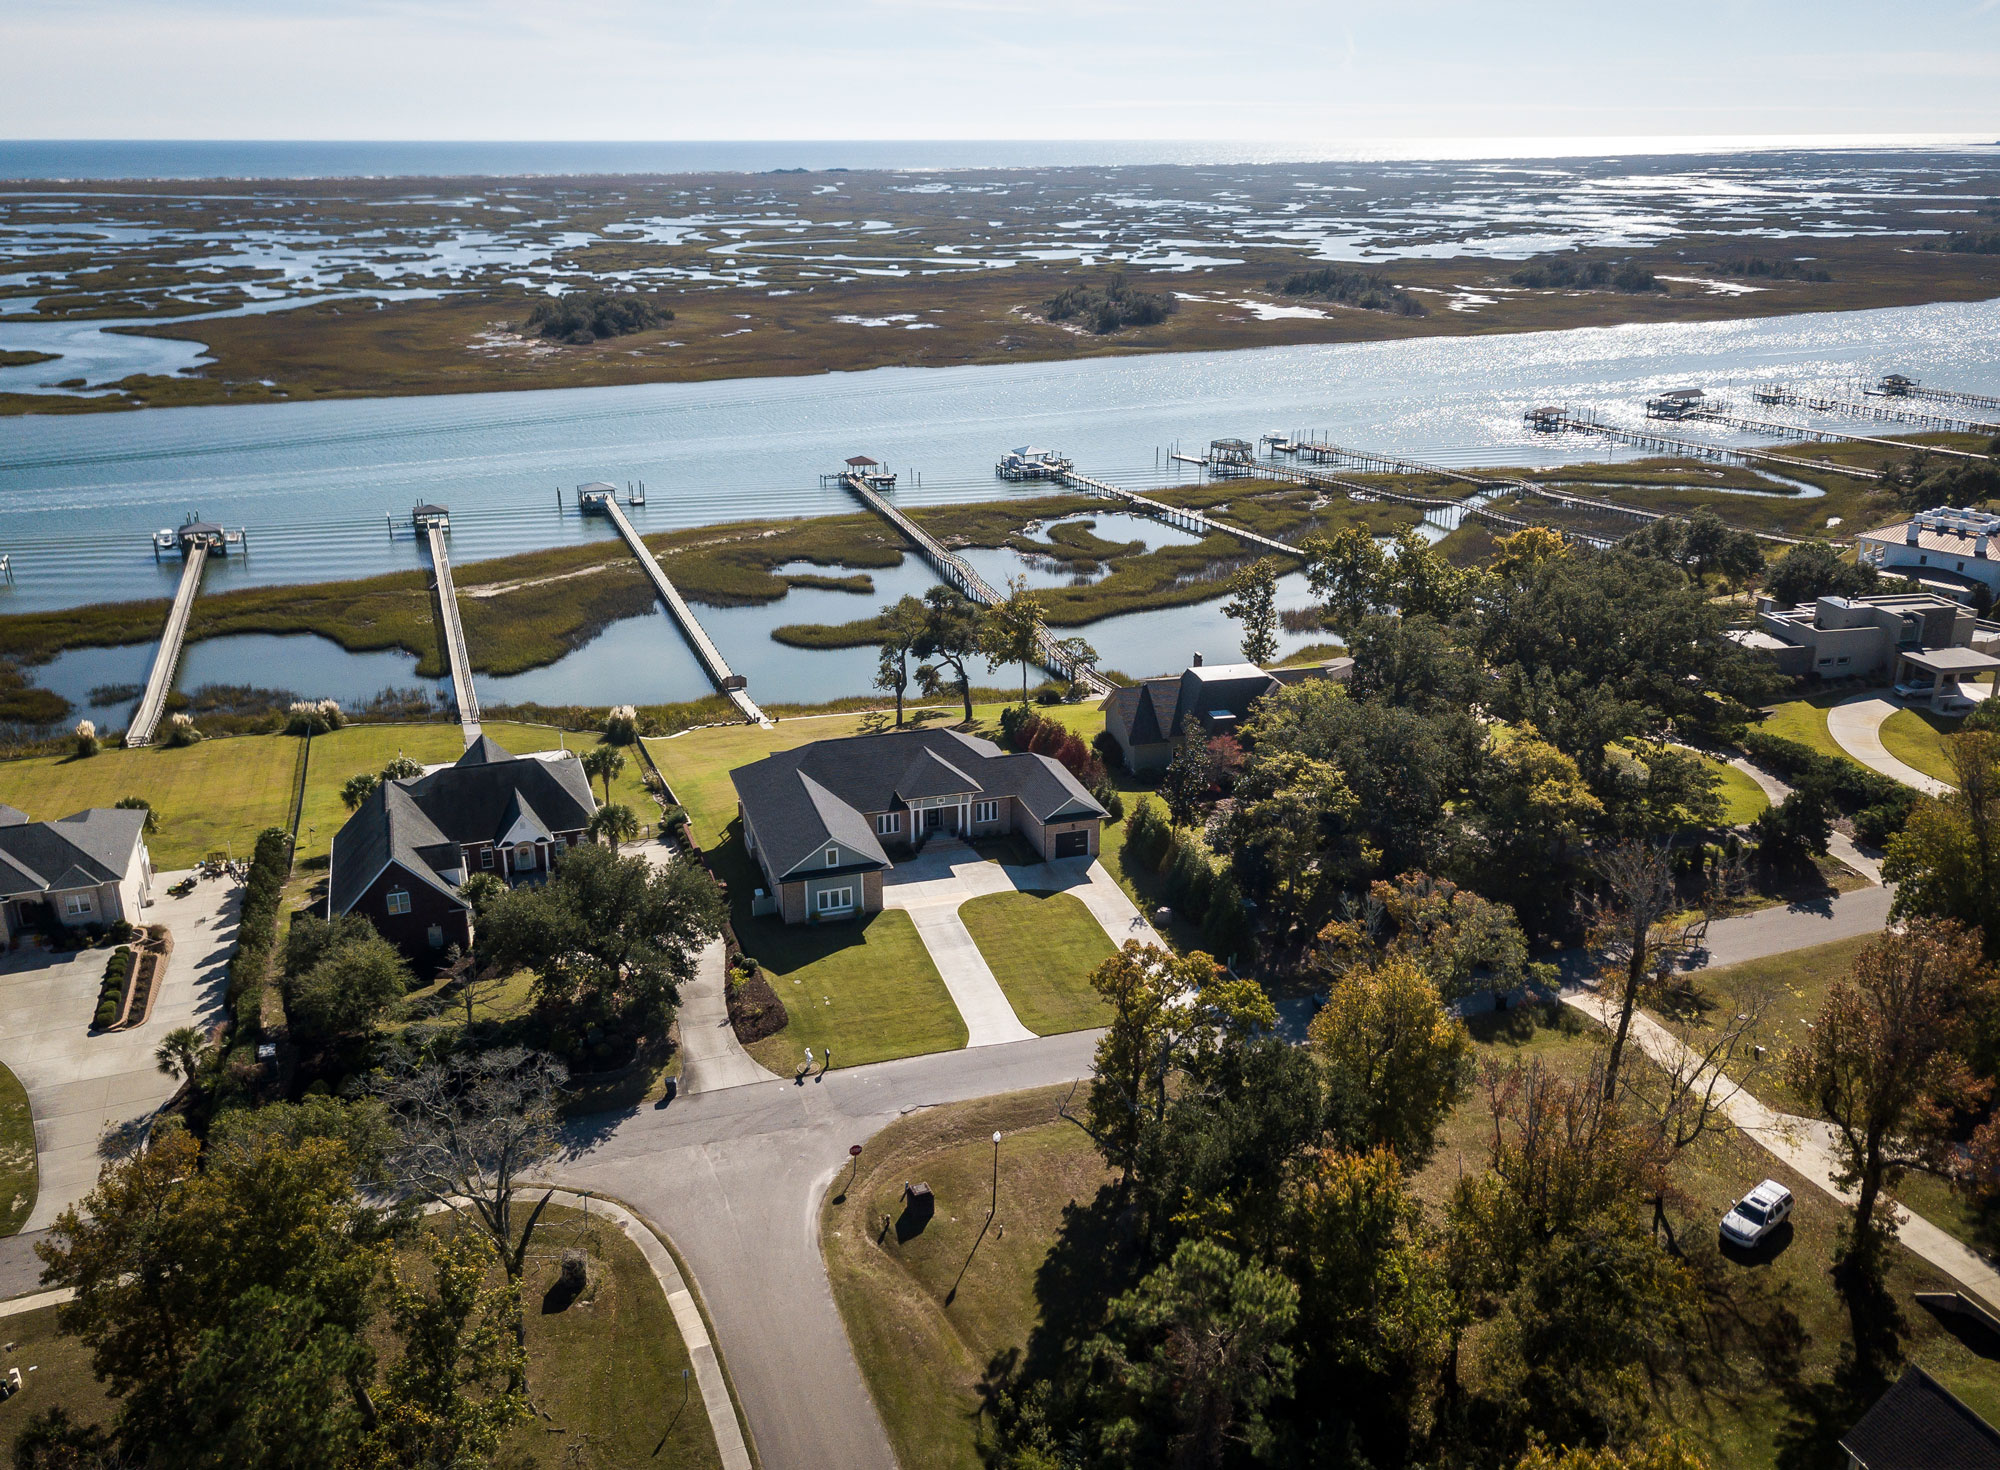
[933, 818]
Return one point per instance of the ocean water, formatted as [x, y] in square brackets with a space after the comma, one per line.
[178, 158]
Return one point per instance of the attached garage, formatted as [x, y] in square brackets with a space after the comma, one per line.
[1072, 844]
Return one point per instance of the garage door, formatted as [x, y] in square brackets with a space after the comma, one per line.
[1072, 844]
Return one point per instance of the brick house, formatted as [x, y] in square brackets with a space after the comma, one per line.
[826, 821]
[403, 855]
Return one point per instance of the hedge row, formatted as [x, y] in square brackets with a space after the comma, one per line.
[257, 930]
[1878, 804]
[116, 969]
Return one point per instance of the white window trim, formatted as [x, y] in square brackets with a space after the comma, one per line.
[986, 811]
[486, 859]
[833, 857]
[888, 824]
[77, 903]
[397, 900]
[844, 895]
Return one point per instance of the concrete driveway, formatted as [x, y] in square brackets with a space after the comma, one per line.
[1856, 727]
[84, 1086]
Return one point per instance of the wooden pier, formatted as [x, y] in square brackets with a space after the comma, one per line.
[733, 685]
[1540, 420]
[1173, 515]
[153, 703]
[1721, 414]
[435, 523]
[958, 573]
[1896, 385]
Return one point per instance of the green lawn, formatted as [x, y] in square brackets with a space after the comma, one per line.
[607, 1367]
[1042, 947]
[18, 1176]
[215, 796]
[927, 1314]
[865, 986]
[1804, 720]
[1916, 738]
[366, 748]
[55, 1373]
[1743, 800]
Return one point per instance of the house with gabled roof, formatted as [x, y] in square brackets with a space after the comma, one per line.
[827, 821]
[90, 867]
[406, 851]
[1146, 718]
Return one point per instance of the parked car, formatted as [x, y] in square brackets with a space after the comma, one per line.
[1757, 1214]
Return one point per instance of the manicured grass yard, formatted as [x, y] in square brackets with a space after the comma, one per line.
[1916, 738]
[55, 1373]
[607, 1367]
[18, 1176]
[865, 986]
[1743, 800]
[1804, 720]
[212, 797]
[1042, 947]
[367, 748]
[928, 1313]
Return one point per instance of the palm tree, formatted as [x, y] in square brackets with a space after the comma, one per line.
[605, 762]
[181, 1053]
[616, 824]
[358, 789]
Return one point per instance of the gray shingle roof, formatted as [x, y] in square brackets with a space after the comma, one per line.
[1919, 1425]
[422, 823]
[81, 850]
[799, 800]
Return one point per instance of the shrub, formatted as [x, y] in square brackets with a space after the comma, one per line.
[1106, 747]
[621, 726]
[582, 317]
[1225, 931]
[181, 732]
[1190, 876]
[1107, 308]
[1013, 720]
[1147, 835]
[1364, 290]
[1851, 786]
[107, 1012]
[1107, 796]
[754, 1008]
[140, 804]
[314, 717]
[86, 739]
[257, 929]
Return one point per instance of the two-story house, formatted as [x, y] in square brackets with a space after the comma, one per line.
[402, 856]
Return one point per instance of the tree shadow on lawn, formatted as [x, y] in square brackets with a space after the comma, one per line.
[1092, 1261]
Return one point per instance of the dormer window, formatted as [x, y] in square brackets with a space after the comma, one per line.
[833, 857]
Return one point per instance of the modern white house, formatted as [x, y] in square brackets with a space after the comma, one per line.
[1926, 645]
[91, 867]
[1951, 552]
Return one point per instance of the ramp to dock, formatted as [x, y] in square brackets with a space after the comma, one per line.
[1173, 515]
[446, 593]
[958, 573]
[704, 647]
[153, 702]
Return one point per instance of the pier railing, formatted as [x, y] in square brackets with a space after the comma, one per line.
[460, 661]
[957, 572]
[153, 703]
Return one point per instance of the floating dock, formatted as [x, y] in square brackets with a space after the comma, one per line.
[435, 522]
[956, 572]
[602, 499]
[195, 540]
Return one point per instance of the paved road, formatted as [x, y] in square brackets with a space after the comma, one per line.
[1856, 727]
[736, 1177]
[1838, 843]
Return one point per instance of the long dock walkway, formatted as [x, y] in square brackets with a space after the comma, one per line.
[1385, 464]
[730, 683]
[146, 719]
[957, 572]
[1732, 420]
[442, 588]
[1947, 395]
[1173, 515]
[1674, 444]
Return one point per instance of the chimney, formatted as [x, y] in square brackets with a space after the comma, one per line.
[1197, 661]
[1911, 534]
[1979, 544]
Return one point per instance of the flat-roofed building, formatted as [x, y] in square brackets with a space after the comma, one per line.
[1926, 645]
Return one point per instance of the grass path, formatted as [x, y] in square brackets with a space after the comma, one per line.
[1042, 947]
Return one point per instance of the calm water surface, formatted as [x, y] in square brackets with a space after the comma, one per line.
[320, 486]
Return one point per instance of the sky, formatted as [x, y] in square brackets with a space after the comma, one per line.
[1323, 70]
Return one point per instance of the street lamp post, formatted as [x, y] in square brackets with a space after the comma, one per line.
[994, 1208]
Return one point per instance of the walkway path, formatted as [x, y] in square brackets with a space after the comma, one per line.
[1806, 1147]
[1838, 843]
[1856, 727]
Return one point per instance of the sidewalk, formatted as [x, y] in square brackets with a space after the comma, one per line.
[1804, 1146]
